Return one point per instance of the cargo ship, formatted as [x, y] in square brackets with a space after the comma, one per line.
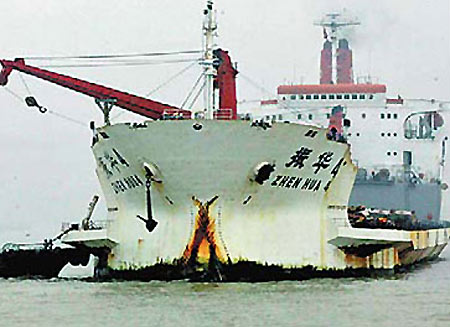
[399, 145]
[210, 195]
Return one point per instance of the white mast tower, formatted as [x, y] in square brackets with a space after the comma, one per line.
[209, 33]
[332, 23]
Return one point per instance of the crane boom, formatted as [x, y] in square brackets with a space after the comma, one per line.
[139, 105]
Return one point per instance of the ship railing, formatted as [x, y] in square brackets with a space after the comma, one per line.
[19, 246]
[395, 173]
[176, 114]
[223, 114]
[91, 225]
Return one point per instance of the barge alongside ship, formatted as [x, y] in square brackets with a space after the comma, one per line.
[219, 198]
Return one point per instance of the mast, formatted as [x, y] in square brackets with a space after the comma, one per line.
[209, 71]
[332, 24]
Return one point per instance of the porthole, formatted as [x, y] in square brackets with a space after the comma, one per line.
[363, 115]
[389, 153]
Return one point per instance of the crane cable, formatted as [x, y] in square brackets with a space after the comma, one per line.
[197, 95]
[192, 90]
[178, 74]
[170, 79]
[119, 64]
[56, 114]
[130, 55]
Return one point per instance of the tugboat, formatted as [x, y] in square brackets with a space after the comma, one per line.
[42, 260]
[208, 196]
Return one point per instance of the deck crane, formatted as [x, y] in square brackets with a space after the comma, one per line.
[106, 97]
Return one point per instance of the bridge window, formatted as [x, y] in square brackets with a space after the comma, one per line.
[382, 116]
[371, 96]
[339, 96]
[308, 97]
[316, 97]
[302, 97]
[362, 97]
[388, 116]
[310, 116]
[354, 96]
[331, 96]
[347, 96]
[423, 126]
[363, 115]
[299, 116]
[293, 97]
[395, 116]
[323, 96]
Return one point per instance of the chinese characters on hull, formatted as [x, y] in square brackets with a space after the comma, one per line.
[318, 162]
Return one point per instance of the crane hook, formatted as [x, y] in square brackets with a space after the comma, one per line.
[32, 102]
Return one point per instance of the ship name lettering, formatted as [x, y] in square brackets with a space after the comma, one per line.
[291, 182]
[311, 184]
[323, 161]
[127, 183]
[298, 159]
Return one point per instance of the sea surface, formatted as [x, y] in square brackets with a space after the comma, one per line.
[418, 298]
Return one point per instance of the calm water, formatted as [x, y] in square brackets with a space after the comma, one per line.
[420, 298]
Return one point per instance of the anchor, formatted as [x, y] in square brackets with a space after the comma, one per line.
[150, 223]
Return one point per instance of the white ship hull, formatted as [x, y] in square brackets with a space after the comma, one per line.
[210, 206]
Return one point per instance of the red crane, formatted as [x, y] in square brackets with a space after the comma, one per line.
[142, 106]
[106, 97]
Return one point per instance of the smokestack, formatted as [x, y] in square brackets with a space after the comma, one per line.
[226, 82]
[344, 63]
[326, 66]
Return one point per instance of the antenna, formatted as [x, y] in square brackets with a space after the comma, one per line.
[209, 32]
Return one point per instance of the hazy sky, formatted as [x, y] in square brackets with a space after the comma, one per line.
[47, 169]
